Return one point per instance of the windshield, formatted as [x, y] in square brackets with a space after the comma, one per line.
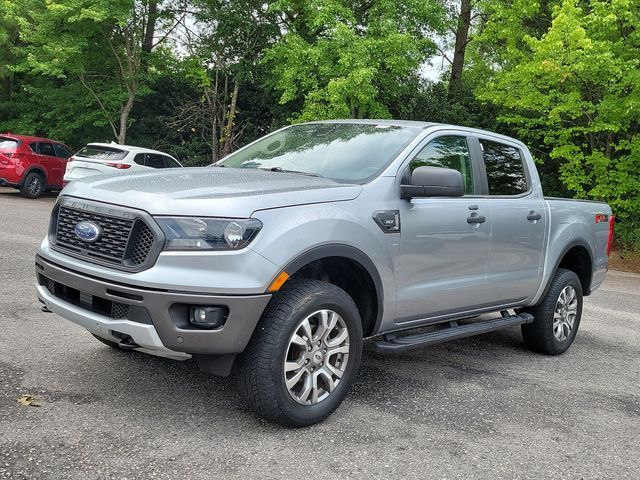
[98, 152]
[344, 152]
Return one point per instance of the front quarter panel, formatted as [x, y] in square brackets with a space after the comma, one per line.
[291, 232]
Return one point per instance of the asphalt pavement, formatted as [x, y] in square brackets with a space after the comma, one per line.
[483, 407]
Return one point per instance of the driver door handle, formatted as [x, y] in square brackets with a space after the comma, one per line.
[475, 218]
[533, 215]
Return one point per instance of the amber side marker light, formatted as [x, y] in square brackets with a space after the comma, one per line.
[278, 282]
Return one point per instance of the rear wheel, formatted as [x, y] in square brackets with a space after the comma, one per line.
[33, 185]
[557, 316]
[304, 354]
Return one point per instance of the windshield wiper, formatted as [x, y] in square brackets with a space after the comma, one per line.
[282, 170]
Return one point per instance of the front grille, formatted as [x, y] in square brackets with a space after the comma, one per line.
[125, 242]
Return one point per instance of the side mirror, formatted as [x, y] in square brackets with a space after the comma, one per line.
[434, 182]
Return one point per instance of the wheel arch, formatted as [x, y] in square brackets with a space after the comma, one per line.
[578, 258]
[350, 269]
[38, 169]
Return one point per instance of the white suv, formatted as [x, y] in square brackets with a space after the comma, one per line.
[101, 158]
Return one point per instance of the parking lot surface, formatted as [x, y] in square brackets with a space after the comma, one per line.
[483, 407]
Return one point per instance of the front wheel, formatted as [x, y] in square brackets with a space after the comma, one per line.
[556, 316]
[304, 354]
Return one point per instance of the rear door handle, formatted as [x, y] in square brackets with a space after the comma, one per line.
[533, 216]
[475, 218]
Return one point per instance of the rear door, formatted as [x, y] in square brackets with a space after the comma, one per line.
[444, 241]
[46, 156]
[63, 154]
[519, 220]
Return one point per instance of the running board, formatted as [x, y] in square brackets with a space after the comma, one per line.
[393, 344]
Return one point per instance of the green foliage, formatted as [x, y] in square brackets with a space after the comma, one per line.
[339, 58]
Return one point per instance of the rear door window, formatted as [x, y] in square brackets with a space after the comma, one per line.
[8, 143]
[154, 160]
[47, 149]
[99, 152]
[139, 158]
[171, 163]
[61, 151]
[505, 168]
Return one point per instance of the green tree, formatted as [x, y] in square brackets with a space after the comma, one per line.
[338, 57]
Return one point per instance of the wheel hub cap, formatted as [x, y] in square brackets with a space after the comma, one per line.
[565, 313]
[317, 357]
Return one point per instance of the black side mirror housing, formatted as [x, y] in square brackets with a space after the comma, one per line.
[434, 182]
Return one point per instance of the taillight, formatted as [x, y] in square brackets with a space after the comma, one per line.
[119, 166]
[612, 222]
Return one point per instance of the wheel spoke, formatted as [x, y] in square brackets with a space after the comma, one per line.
[328, 379]
[298, 340]
[291, 366]
[306, 328]
[293, 381]
[341, 337]
[336, 350]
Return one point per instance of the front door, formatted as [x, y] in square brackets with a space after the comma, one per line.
[444, 243]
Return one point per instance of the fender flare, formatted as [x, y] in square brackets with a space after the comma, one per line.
[575, 243]
[346, 251]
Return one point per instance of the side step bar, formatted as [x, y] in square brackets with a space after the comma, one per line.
[393, 344]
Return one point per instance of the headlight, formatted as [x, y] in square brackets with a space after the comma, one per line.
[196, 233]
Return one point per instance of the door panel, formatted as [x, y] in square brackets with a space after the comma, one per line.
[443, 249]
[442, 257]
[514, 264]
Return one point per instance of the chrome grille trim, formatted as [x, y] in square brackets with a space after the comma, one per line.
[131, 240]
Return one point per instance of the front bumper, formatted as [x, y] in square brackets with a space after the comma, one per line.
[160, 323]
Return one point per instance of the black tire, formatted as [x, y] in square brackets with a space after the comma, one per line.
[109, 343]
[539, 335]
[33, 185]
[260, 374]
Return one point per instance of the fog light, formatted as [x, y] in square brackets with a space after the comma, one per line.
[208, 317]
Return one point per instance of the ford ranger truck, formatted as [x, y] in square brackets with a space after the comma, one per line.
[277, 262]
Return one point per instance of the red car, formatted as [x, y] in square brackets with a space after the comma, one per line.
[32, 164]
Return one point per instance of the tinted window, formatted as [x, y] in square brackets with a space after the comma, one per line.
[62, 151]
[447, 152]
[8, 143]
[35, 148]
[46, 149]
[171, 163]
[139, 158]
[96, 152]
[154, 160]
[346, 152]
[505, 170]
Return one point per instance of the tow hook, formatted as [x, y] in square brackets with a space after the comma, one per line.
[45, 309]
[127, 343]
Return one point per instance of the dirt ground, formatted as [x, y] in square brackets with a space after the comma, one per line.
[624, 261]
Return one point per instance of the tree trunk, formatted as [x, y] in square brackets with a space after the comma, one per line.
[124, 117]
[228, 133]
[462, 39]
[150, 27]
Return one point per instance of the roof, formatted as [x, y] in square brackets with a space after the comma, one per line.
[395, 123]
[130, 148]
[27, 138]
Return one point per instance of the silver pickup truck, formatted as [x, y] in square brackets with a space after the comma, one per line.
[276, 263]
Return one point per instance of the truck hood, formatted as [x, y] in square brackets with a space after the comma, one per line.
[210, 191]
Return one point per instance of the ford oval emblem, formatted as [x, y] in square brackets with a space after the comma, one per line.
[88, 231]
